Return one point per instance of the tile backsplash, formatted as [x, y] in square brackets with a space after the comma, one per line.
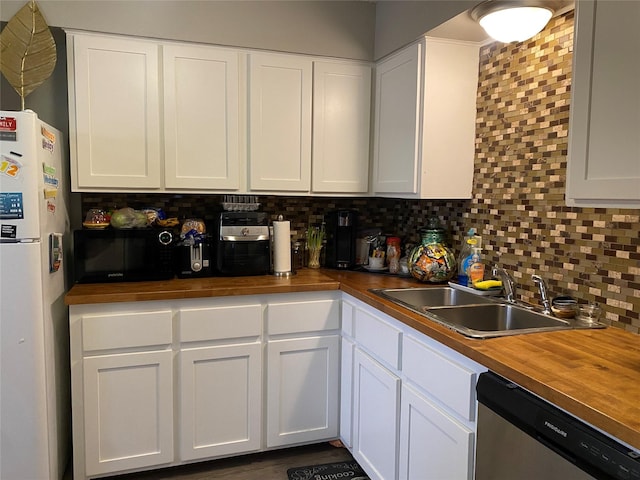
[518, 201]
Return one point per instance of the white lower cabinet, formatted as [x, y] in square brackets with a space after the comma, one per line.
[220, 378]
[302, 386]
[122, 388]
[220, 396]
[303, 368]
[376, 400]
[163, 383]
[411, 410]
[432, 444]
[128, 411]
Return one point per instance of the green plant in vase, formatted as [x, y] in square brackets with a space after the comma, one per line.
[315, 237]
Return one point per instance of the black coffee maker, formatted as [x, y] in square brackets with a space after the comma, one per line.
[341, 226]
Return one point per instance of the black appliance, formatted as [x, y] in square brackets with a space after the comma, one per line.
[193, 259]
[242, 244]
[113, 255]
[341, 228]
[520, 435]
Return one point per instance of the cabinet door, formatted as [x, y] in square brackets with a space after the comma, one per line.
[302, 390]
[346, 392]
[375, 417]
[201, 107]
[279, 122]
[603, 166]
[432, 444]
[397, 120]
[341, 125]
[220, 406]
[114, 113]
[128, 411]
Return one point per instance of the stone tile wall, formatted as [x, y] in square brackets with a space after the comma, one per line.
[518, 196]
[518, 204]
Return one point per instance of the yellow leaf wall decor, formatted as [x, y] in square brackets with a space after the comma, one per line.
[27, 50]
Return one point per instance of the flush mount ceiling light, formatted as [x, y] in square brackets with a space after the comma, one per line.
[511, 20]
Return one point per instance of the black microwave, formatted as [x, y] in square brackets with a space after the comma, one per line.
[131, 255]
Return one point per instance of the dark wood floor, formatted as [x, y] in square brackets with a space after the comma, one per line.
[271, 465]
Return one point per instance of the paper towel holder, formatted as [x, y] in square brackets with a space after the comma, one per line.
[286, 274]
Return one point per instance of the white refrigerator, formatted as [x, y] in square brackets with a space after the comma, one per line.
[34, 366]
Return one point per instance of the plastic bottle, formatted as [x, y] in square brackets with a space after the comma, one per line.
[476, 267]
[393, 254]
[471, 240]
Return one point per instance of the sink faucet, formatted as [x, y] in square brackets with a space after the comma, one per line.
[508, 283]
[542, 286]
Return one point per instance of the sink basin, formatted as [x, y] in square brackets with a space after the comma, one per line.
[475, 315]
[431, 297]
[496, 320]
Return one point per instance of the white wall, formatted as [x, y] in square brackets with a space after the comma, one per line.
[329, 28]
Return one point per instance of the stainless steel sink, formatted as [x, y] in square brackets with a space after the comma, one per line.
[474, 315]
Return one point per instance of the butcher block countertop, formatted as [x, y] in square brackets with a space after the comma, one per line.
[593, 374]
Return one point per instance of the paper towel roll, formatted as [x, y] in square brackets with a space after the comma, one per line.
[281, 246]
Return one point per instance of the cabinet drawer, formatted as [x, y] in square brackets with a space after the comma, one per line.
[216, 323]
[378, 337]
[125, 330]
[298, 317]
[450, 383]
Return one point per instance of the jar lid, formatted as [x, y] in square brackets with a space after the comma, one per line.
[393, 240]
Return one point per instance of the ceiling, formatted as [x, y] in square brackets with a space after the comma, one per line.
[463, 27]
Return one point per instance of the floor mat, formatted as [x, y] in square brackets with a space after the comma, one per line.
[328, 471]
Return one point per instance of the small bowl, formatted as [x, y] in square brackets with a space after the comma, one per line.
[564, 307]
[568, 311]
[589, 313]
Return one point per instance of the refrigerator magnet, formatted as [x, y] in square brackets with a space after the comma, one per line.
[50, 193]
[10, 167]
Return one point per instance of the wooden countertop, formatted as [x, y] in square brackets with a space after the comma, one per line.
[305, 280]
[593, 374]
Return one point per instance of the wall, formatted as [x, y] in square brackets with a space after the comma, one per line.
[399, 22]
[519, 182]
[339, 29]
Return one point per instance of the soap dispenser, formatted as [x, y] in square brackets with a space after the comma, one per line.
[471, 241]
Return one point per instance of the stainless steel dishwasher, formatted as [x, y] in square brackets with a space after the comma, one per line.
[521, 436]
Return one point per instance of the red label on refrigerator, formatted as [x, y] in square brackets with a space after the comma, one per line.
[8, 124]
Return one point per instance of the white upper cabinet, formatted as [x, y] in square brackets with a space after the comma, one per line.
[603, 167]
[160, 116]
[341, 125]
[201, 117]
[114, 114]
[425, 114]
[279, 143]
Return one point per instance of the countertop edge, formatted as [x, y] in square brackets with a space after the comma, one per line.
[548, 385]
